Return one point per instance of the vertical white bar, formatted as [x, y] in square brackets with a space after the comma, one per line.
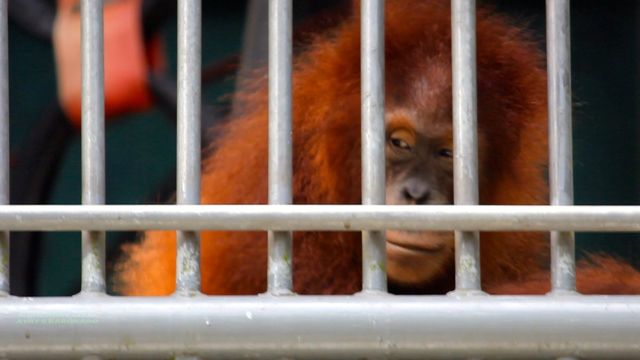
[4, 143]
[563, 269]
[374, 252]
[465, 140]
[280, 271]
[93, 174]
[188, 181]
[563, 263]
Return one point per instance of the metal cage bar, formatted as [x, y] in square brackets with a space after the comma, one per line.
[4, 143]
[279, 275]
[91, 357]
[188, 180]
[317, 327]
[465, 138]
[321, 217]
[374, 251]
[188, 143]
[563, 274]
[93, 158]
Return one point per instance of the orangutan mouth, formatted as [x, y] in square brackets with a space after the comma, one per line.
[417, 248]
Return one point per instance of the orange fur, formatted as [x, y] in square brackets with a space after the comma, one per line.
[512, 117]
[599, 275]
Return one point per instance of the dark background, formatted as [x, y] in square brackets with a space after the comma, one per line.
[140, 148]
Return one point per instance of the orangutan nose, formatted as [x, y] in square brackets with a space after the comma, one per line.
[416, 192]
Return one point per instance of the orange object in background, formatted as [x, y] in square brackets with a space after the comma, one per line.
[126, 63]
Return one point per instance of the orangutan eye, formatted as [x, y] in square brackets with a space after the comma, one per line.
[446, 153]
[399, 143]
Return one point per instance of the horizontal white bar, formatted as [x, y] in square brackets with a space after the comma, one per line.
[318, 217]
[345, 327]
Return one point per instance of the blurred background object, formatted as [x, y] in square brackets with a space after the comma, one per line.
[140, 146]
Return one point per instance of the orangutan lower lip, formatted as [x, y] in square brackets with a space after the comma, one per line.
[417, 248]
